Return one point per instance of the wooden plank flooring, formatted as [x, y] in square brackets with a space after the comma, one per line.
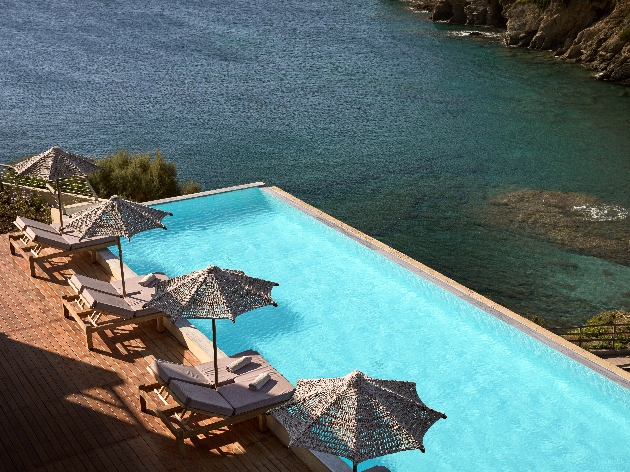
[63, 407]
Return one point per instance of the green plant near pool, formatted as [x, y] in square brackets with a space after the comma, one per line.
[600, 337]
[15, 202]
[139, 177]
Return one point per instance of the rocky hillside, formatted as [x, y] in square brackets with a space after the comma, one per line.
[595, 33]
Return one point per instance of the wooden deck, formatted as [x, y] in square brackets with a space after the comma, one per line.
[63, 407]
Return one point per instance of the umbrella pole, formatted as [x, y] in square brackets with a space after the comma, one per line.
[122, 272]
[60, 209]
[214, 345]
[355, 467]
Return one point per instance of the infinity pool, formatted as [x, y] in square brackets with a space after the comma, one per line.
[513, 403]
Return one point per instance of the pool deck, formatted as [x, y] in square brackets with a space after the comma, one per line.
[66, 408]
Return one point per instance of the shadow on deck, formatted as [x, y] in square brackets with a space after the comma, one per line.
[66, 408]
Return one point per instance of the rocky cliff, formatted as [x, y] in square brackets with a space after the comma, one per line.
[595, 33]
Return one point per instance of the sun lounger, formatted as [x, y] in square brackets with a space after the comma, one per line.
[231, 403]
[99, 305]
[34, 237]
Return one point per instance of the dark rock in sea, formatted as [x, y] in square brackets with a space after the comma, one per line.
[579, 222]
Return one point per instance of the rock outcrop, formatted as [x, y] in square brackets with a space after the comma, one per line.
[581, 223]
[554, 27]
[605, 46]
[595, 33]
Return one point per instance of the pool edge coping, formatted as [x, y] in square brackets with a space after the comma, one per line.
[205, 193]
[554, 341]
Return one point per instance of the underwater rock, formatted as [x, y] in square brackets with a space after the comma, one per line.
[579, 222]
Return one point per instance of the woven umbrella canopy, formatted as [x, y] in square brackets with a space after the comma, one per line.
[356, 416]
[117, 217]
[54, 165]
[212, 293]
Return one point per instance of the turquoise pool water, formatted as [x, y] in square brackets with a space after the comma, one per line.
[513, 403]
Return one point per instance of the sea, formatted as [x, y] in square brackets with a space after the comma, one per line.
[400, 127]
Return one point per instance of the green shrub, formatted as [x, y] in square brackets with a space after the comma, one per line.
[190, 187]
[625, 34]
[18, 202]
[138, 177]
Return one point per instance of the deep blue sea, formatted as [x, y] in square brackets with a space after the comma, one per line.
[364, 109]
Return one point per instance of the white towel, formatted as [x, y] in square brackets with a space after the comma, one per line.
[238, 363]
[259, 381]
[146, 280]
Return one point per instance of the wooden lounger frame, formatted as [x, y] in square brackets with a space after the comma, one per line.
[89, 318]
[177, 423]
[31, 251]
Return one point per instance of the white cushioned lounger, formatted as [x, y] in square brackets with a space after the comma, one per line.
[233, 401]
[35, 236]
[97, 302]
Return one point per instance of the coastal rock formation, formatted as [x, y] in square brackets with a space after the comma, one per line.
[595, 33]
[605, 46]
[484, 13]
[465, 12]
[556, 26]
[578, 222]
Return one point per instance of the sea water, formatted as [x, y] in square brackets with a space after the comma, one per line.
[365, 109]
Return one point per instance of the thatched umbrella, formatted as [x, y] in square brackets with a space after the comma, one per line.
[212, 293]
[356, 416]
[117, 217]
[54, 165]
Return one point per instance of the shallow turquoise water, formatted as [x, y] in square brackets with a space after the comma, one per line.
[512, 402]
[361, 108]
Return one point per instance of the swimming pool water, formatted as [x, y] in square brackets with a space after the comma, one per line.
[512, 402]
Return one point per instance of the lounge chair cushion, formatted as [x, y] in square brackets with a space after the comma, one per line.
[207, 370]
[132, 287]
[48, 235]
[129, 307]
[80, 282]
[202, 374]
[22, 223]
[275, 390]
[72, 239]
[169, 371]
[201, 398]
[256, 363]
